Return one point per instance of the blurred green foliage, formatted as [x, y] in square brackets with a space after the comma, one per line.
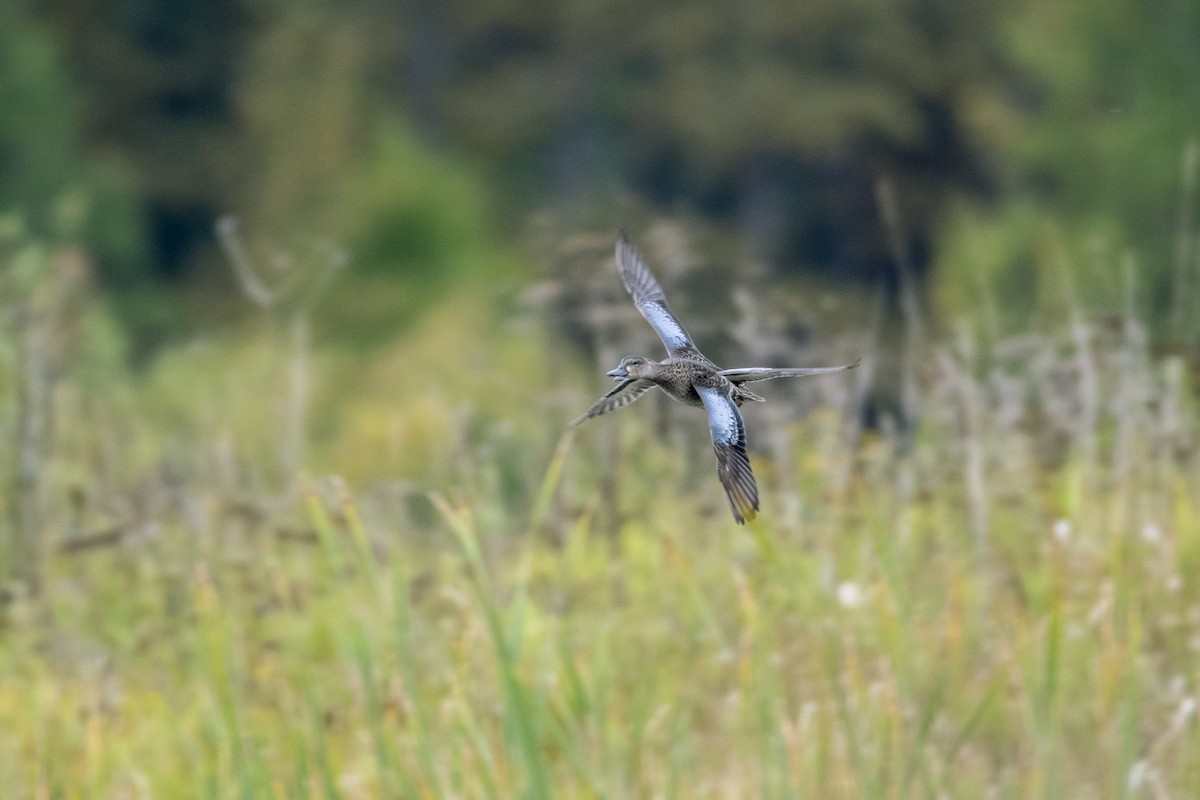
[489, 606]
[416, 225]
[39, 126]
[419, 135]
[998, 599]
[45, 176]
[1096, 172]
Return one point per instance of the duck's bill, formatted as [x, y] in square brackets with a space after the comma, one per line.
[620, 373]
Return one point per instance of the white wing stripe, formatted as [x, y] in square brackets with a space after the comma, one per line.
[665, 325]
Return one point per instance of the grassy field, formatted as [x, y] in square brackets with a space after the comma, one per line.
[1002, 601]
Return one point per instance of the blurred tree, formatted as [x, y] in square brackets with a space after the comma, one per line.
[157, 79]
[1110, 95]
[326, 156]
[38, 117]
[273, 112]
[46, 175]
[1098, 178]
[1113, 95]
[776, 115]
[374, 123]
[302, 103]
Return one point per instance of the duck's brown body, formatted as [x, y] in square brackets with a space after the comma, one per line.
[681, 377]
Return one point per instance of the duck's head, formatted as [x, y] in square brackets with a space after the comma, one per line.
[632, 367]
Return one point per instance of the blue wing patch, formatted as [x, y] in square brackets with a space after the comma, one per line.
[729, 441]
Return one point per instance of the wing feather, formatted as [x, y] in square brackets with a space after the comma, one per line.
[619, 396]
[748, 374]
[651, 301]
[729, 441]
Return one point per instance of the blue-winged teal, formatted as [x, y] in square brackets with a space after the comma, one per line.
[691, 378]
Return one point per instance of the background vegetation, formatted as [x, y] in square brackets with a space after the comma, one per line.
[297, 298]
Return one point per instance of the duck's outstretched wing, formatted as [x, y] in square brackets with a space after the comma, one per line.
[619, 396]
[650, 300]
[729, 441]
[748, 374]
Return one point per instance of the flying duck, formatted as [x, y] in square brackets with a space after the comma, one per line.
[690, 377]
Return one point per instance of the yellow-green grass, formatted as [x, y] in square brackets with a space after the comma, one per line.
[1002, 600]
[874, 645]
